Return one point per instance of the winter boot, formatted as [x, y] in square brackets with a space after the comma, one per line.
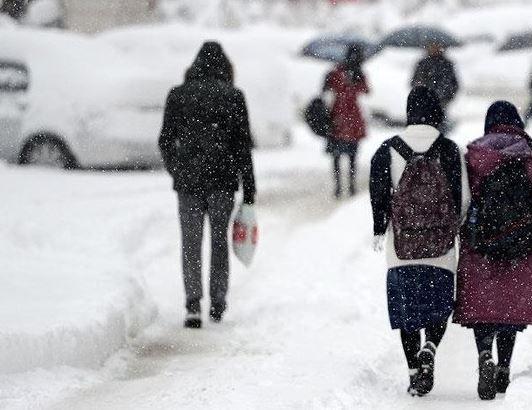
[424, 381]
[502, 379]
[193, 320]
[487, 388]
[193, 317]
[217, 311]
[352, 189]
[338, 193]
[413, 375]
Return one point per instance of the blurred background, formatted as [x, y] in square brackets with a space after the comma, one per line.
[88, 79]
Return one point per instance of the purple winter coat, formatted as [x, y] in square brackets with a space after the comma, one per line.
[493, 291]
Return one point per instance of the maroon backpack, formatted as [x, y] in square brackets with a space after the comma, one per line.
[423, 214]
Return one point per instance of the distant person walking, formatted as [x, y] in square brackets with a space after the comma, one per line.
[206, 147]
[494, 287]
[437, 72]
[418, 191]
[343, 86]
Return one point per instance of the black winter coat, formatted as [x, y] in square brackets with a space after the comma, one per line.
[205, 139]
[438, 74]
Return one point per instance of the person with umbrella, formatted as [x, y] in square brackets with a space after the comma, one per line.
[437, 72]
[342, 87]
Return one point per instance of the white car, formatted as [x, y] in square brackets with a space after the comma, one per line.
[70, 101]
[98, 101]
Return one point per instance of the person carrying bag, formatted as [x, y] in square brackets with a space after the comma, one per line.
[206, 146]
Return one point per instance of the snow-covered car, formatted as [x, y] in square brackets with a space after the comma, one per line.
[83, 103]
[262, 59]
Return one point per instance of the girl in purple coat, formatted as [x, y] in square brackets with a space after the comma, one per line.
[494, 293]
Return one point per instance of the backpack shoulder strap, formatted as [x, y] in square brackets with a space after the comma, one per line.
[402, 148]
[435, 149]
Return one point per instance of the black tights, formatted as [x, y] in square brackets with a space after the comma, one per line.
[337, 169]
[412, 341]
[485, 335]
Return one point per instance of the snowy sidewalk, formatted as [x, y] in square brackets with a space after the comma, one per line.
[306, 328]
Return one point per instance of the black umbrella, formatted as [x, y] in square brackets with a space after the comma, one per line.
[334, 48]
[517, 42]
[419, 37]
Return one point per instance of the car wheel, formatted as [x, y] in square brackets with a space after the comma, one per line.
[47, 151]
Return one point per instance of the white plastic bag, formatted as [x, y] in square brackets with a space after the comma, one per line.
[245, 234]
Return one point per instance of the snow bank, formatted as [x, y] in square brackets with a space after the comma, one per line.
[70, 294]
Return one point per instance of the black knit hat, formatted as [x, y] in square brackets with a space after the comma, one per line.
[502, 113]
[423, 107]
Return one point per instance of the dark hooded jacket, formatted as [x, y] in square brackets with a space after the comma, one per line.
[438, 74]
[205, 140]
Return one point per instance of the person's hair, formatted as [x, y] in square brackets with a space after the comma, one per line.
[211, 63]
[354, 57]
[355, 53]
[502, 113]
[423, 107]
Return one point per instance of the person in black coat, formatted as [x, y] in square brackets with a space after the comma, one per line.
[206, 145]
[437, 72]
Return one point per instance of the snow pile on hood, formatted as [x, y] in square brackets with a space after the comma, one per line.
[262, 57]
[73, 75]
[43, 13]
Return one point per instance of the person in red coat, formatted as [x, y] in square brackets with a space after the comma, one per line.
[344, 85]
[494, 296]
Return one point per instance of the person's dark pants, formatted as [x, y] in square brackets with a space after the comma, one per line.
[486, 334]
[338, 148]
[412, 341]
[218, 206]
[337, 172]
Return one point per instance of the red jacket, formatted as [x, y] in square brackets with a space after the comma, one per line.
[348, 122]
[493, 291]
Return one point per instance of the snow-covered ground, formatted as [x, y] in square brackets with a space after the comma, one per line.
[91, 301]
[92, 278]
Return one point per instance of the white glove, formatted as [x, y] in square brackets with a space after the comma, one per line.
[378, 243]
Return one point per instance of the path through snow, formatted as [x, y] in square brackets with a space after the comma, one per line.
[307, 325]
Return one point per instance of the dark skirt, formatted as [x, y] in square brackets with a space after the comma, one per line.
[419, 296]
[338, 147]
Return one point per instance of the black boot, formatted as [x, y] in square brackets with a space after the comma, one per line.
[502, 379]
[217, 311]
[411, 388]
[193, 317]
[193, 320]
[486, 376]
[424, 382]
[352, 189]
